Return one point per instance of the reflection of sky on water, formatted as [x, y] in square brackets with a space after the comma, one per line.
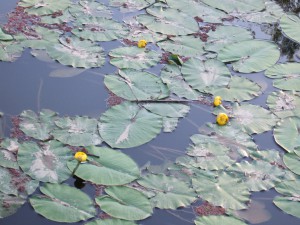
[25, 84]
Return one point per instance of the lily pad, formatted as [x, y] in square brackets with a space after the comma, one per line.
[128, 125]
[284, 104]
[239, 89]
[292, 161]
[202, 75]
[287, 76]
[129, 5]
[171, 193]
[172, 110]
[287, 133]
[77, 131]
[226, 35]
[62, 203]
[110, 222]
[171, 75]
[90, 9]
[133, 57]
[111, 167]
[225, 191]
[290, 202]
[8, 151]
[236, 5]
[73, 52]
[188, 46]
[250, 56]
[4, 36]
[64, 17]
[10, 51]
[290, 25]
[46, 162]
[43, 7]
[38, 126]
[125, 203]
[216, 220]
[9, 204]
[136, 85]
[99, 29]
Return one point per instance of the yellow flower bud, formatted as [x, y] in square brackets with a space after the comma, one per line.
[142, 43]
[217, 101]
[222, 119]
[80, 156]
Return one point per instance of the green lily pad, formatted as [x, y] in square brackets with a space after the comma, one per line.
[172, 110]
[46, 162]
[171, 75]
[110, 222]
[62, 203]
[290, 202]
[128, 125]
[226, 35]
[239, 89]
[77, 131]
[290, 25]
[38, 126]
[4, 36]
[292, 161]
[188, 46]
[133, 57]
[170, 193]
[65, 17]
[10, 51]
[225, 191]
[111, 168]
[136, 85]
[129, 5]
[287, 76]
[73, 52]
[99, 29]
[202, 75]
[168, 21]
[170, 124]
[90, 9]
[43, 7]
[10, 204]
[236, 5]
[284, 104]
[286, 134]
[250, 56]
[216, 220]
[125, 203]
[8, 151]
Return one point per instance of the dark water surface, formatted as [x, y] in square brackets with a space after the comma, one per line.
[26, 84]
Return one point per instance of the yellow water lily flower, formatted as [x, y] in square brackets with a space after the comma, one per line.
[142, 43]
[80, 156]
[217, 101]
[222, 119]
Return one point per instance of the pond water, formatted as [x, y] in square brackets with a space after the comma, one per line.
[29, 83]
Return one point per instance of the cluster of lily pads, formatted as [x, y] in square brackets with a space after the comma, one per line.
[222, 165]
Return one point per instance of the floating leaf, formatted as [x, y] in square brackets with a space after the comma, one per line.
[110, 222]
[172, 76]
[287, 76]
[4, 36]
[125, 203]
[169, 124]
[225, 191]
[110, 168]
[65, 17]
[174, 110]
[128, 125]
[287, 133]
[47, 162]
[43, 7]
[284, 104]
[63, 203]
[136, 85]
[250, 56]
[290, 25]
[216, 220]
[258, 175]
[77, 131]
[99, 29]
[73, 52]
[8, 150]
[66, 72]
[239, 89]
[133, 57]
[90, 9]
[9, 204]
[168, 21]
[171, 193]
[10, 51]
[129, 5]
[292, 161]
[290, 203]
[187, 46]
[38, 126]
[237, 5]
[226, 35]
[201, 75]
